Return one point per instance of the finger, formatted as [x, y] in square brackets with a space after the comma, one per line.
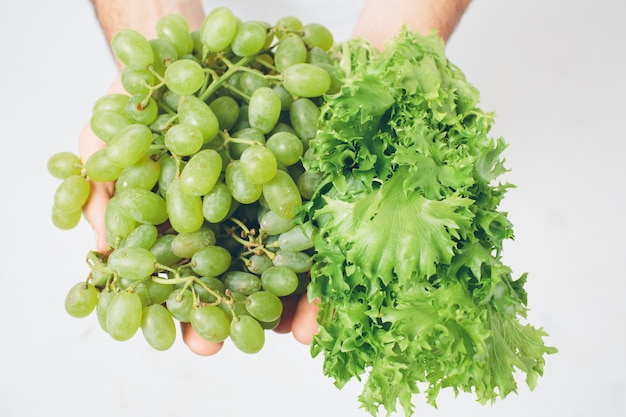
[286, 319]
[94, 210]
[197, 344]
[100, 193]
[304, 325]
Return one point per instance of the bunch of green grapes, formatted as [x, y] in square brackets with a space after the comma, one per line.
[205, 151]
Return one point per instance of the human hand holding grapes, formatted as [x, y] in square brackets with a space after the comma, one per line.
[299, 315]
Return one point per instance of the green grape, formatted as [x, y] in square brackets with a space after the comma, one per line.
[241, 282]
[286, 147]
[248, 133]
[169, 171]
[157, 326]
[164, 54]
[100, 168]
[72, 193]
[180, 304]
[161, 125]
[162, 250]
[175, 29]
[170, 100]
[308, 183]
[269, 325]
[242, 120]
[115, 102]
[306, 80]
[184, 139]
[264, 306]
[257, 264]
[81, 300]
[281, 194]
[252, 80]
[201, 172]
[241, 188]
[264, 109]
[142, 111]
[118, 225]
[258, 164]
[283, 127]
[316, 35]
[138, 287]
[104, 300]
[144, 236]
[218, 29]
[184, 76]
[197, 42]
[297, 239]
[249, 39]
[247, 334]
[185, 245]
[123, 315]
[184, 210]
[194, 111]
[213, 284]
[226, 110]
[129, 145]
[279, 280]
[142, 174]
[299, 262]
[132, 262]
[290, 50]
[132, 49]
[137, 81]
[65, 220]
[335, 74]
[269, 35]
[211, 261]
[304, 115]
[157, 293]
[210, 322]
[100, 276]
[235, 308]
[105, 124]
[64, 164]
[143, 206]
[285, 101]
[216, 204]
[287, 24]
[273, 224]
[317, 55]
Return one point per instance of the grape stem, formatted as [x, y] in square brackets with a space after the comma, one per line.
[254, 244]
[232, 69]
[237, 92]
[187, 280]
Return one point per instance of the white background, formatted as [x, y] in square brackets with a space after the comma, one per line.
[554, 73]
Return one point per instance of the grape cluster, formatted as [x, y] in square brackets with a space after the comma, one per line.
[205, 151]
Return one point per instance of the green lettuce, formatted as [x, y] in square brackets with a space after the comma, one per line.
[414, 293]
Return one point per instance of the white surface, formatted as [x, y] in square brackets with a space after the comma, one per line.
[555, 75]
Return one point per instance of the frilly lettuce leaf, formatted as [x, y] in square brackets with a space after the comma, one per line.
[414, 293]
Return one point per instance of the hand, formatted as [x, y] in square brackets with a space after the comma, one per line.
[299, 316]
[101, 192]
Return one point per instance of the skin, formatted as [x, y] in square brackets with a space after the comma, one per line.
[378, 21]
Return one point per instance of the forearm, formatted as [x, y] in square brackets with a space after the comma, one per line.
[382, 19]
[115, 15]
